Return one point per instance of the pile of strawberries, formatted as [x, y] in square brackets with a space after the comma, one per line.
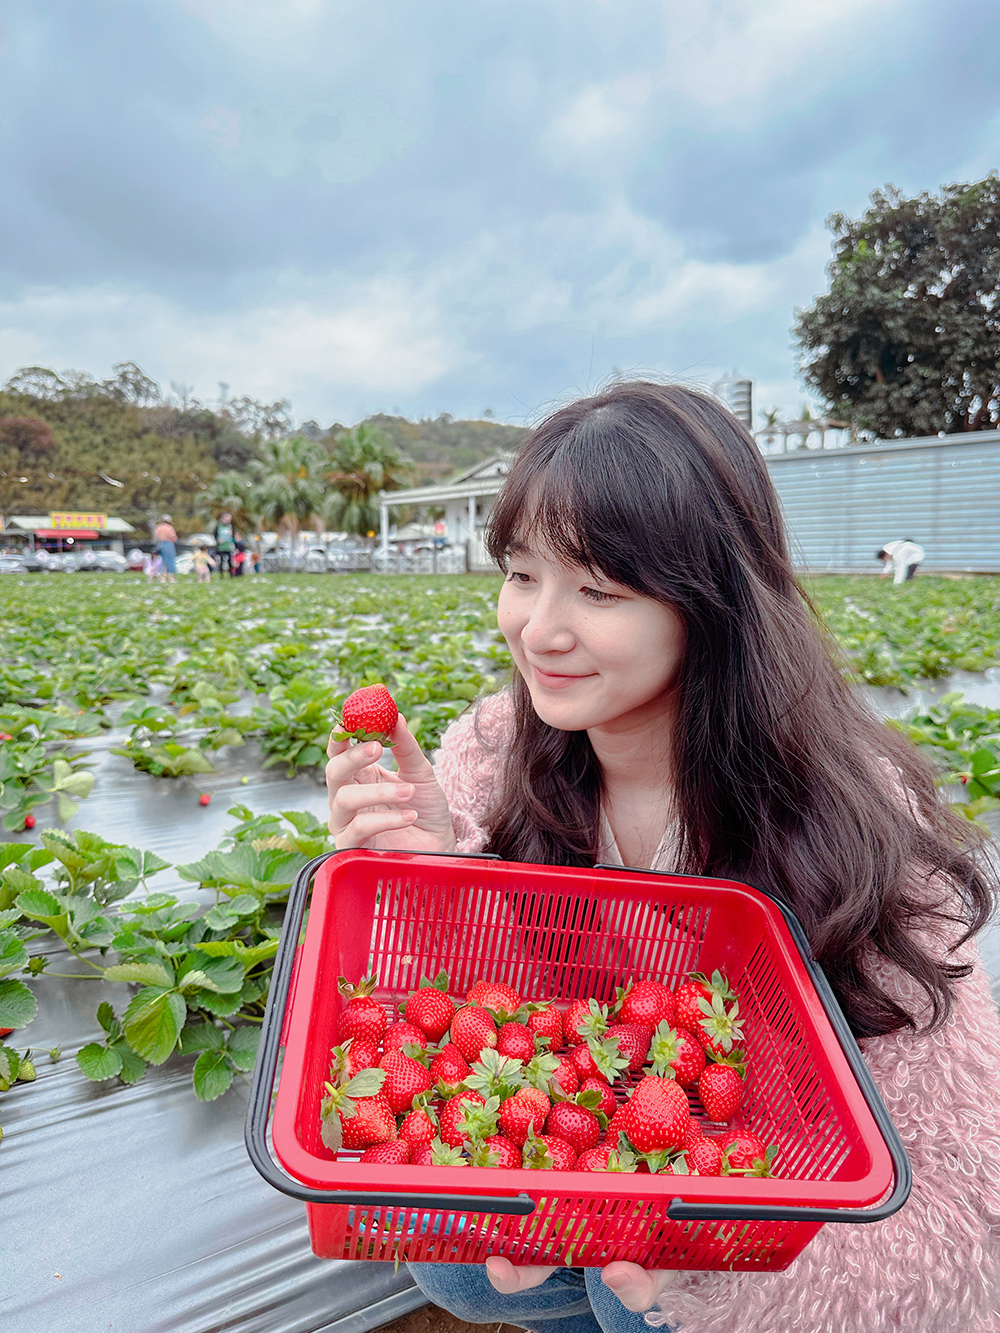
[497, 1081]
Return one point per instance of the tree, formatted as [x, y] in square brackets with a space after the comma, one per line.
[361, 463]
[231, 493]
[286, 489]
[907, 340]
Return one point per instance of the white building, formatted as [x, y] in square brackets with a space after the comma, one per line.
[467, 501]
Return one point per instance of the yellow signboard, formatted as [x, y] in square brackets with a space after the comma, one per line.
[64, 519]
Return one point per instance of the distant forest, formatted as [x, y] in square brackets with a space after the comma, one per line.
[119, 446]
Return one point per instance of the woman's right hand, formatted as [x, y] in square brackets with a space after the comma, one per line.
[371, 806]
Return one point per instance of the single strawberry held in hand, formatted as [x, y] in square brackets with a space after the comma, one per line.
[369, 714]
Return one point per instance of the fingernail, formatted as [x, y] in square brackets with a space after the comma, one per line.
[616, 1282]
[371, 749]
[405, 790]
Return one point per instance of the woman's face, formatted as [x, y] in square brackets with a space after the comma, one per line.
[594, 654]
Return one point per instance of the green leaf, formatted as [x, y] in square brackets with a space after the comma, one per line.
[133, 1066]
[99, 1062]
[146, 974]
[66, 806]
[153, 1022]
[202, 1037]
[39, 904]
[13, 954]
[214, 1003]
[219, 974]
[242, 1046]
[10, 1063]
[18, 1005]
[108, 1021]
[213, 1075]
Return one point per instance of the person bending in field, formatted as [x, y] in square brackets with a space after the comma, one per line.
[675, 706]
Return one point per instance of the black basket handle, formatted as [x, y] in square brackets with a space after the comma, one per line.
[262, 1086]
[681, 1211]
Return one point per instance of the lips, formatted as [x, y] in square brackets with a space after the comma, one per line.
[555, 680]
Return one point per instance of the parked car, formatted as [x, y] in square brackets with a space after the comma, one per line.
[100, 562]
[12, 564]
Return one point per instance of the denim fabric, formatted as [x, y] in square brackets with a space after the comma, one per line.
[570, 1300]
[168, 553]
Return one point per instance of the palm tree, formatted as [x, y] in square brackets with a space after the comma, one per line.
[286, 489]
[361, 462]
[231, 493]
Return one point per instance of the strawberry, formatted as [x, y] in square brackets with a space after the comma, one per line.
[431, 1008]
[675, 1053]
[616, 1124]
[452, 1130]
[607, 1104]
[647, 1002]
[547, 1152]
[704, 1156]
[523, 1113]
[656, 1115]
[721, 1030]
[419, 1127]
[566, 1076]
[584, 1019]
[393, 1153]
[439, 1153]
[369, 714]
[355, 1054]
[578, 1012]
[400, 1034]
[743, 1154]
[29, 820]
[496, 1151]
[404, 1079]
[720, 1088]
[495, 995]
[472, 1031]
[515, 1040]
[374, 1122]
[633, 1042]
[699, 989]
[362, 1016]
[547, 1022]
[598, 1059]
[576, 1124]
[606, 1157]
[449, 1066]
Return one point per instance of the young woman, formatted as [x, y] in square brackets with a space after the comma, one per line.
[677, 706]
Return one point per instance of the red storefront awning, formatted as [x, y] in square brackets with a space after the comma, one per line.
[63, 532]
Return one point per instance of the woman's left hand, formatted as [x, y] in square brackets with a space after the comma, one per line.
[637, 1288]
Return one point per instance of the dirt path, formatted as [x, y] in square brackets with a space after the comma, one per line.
[432, 1319]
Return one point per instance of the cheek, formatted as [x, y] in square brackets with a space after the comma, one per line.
[507, 620]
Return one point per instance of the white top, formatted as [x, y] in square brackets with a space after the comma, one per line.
[901, 555]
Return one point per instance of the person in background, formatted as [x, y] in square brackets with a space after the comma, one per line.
[152, 566]
[203, 563]
[239, 555]
[166, 541]
[224, 543]
[900, 558]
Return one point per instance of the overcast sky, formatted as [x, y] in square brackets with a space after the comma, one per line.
[455, 205]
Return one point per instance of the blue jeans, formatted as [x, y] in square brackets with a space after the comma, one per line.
[570, 1300]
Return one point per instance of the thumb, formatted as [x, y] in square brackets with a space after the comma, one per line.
[507, 1279]
[637, 1288]
[410, 759]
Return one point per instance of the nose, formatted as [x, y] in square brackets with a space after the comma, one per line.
[548, 627]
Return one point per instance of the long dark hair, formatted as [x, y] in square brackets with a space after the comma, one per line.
[786, 778]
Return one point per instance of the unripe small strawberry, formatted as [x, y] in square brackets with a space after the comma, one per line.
[26, 1072]
[29, 821]
[204, 798]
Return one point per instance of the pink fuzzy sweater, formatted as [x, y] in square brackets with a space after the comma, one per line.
[934, 1266]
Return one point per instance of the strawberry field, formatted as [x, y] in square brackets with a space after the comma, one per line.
[161, 758]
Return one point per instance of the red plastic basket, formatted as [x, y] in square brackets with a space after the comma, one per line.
[553, 931]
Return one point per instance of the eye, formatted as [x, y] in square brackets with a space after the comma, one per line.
[598, 597]
[517, 576]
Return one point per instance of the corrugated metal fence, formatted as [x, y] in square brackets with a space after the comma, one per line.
[842, 504]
